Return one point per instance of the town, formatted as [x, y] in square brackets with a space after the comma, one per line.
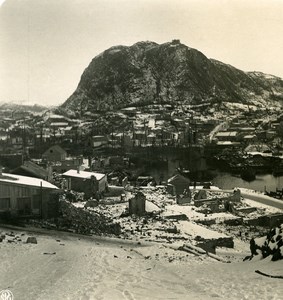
[59, 170]
[141, 150]
[250, 138]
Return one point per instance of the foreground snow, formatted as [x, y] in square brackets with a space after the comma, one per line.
[76, 267]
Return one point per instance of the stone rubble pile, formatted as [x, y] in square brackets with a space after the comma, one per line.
[149, 227]
[85, 221]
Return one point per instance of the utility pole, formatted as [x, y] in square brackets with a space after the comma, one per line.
[24, 139]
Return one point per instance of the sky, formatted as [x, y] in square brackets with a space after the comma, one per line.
[45, 45]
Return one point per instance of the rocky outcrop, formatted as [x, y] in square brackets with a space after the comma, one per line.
[269, 245]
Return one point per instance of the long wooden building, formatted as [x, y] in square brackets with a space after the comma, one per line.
[22, 196]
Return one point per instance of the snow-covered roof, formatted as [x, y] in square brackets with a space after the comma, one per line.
[221, 143]
[226, 133]
[59, 124]
[24, 180]
[129, 109]
[178, 178]
[83, 174]
[249, 136]
[98, 138]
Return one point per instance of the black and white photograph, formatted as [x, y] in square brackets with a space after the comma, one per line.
[141, 149]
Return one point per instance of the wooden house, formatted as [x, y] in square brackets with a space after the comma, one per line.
[22, 196]
[54, 153]
[99, 141]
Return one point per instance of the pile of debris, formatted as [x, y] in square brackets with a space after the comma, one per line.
[269, 245]
[85, 221]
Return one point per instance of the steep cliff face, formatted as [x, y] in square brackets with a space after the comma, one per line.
[147, 72]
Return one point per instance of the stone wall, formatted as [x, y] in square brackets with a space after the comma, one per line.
[210, 245]
[214, 203]
[266, 221]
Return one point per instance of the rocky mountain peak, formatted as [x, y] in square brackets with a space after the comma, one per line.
[147, 72]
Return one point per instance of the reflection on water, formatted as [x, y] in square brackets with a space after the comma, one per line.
[222, 180]
[227, 181]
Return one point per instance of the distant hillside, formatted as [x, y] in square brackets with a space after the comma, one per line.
[22, 107]
[147, 72]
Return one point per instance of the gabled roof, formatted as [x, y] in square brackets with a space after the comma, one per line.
[56, 148]
[178, 179]
[24, 180]
[83, 174]
[32, 168]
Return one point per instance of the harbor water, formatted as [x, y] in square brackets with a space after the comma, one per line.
[262, 182]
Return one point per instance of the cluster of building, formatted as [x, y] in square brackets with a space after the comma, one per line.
[249, 129]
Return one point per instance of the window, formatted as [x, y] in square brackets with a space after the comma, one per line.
[24, 205]
[4, 203]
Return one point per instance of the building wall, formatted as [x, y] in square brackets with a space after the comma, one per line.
[24, 200]
[89, 187]
[102, 184]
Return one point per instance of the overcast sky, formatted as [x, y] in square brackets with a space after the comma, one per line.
[46, 44]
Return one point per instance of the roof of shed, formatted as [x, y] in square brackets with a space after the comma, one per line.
[83, 174]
